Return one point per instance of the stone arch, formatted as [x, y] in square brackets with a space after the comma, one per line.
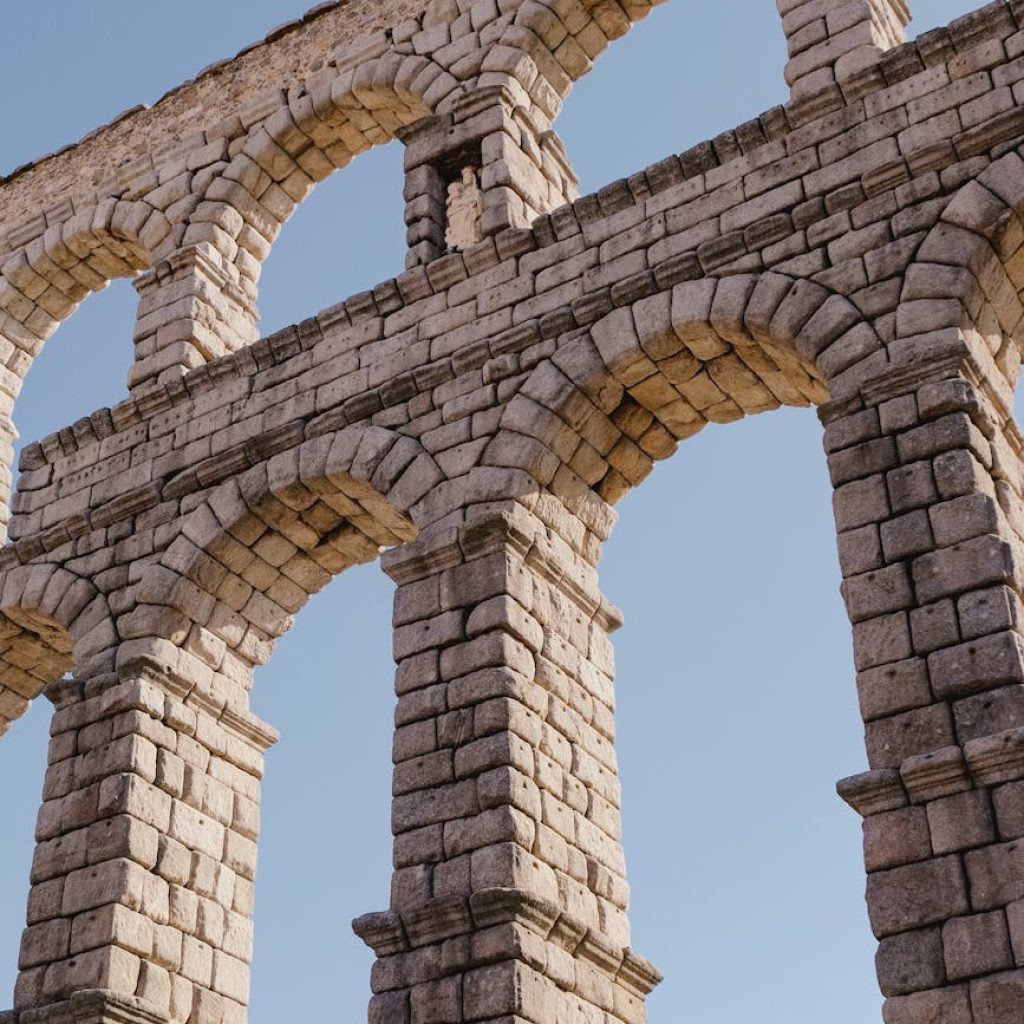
[320, 127]
[51, 622]
[962, 299]
[618, 397]
[250, 556]
[968, 275]
[313, 133]
[43, 282]
[228, 213]
[563, 38]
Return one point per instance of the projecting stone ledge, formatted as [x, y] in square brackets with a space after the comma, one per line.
[97, 1006]
[509, 951]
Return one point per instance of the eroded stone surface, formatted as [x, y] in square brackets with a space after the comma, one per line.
[479, 415]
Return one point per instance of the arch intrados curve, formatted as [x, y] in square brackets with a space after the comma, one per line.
[277, 534]
[319, 130]
[51, 622]
[43, 283]
[304, 141]
[565, 27]
[811, 332]
[648, 375]
[973, 260]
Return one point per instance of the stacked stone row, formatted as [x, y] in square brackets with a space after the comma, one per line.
[927, 497]
[270, 171]
[201, 216]
[855, 225]
[234, 189]
[455, 418]
[505, 772]
[497, 400]
[142, 877]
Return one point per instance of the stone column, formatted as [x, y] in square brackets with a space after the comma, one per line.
[509, 896]
[834, 47]
[142, 880]
[193, 307]
[927, 473]
[520, 165]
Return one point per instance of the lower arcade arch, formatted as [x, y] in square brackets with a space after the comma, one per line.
[736, 712]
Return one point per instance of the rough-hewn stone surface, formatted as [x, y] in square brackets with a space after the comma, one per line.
[479, 416]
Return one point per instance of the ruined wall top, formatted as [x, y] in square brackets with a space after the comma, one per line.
[216, 103]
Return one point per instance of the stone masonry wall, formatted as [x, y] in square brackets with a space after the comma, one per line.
[478, 416]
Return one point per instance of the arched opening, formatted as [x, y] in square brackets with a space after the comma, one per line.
[673, 55]
[677, 55]
[35, 650]
[280, 535]
[82, 368]
[755, 340]
[325, 855]
[737, 713]
[345, 238]
[22, 764]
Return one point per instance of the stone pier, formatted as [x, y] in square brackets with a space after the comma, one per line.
[472, 423]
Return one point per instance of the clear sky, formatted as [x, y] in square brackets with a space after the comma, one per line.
[737, 703]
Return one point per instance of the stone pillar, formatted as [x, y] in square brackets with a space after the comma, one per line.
[927, 475]
[142, 880]
[834, 45]
[520, 165]
[193, 307]
[509, 896]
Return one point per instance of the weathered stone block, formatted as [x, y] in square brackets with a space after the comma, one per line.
[975, 945]
[910, 962]
[916, 895]
[961, 821]
[995, 874]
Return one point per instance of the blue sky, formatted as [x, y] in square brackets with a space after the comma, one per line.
[735, 680]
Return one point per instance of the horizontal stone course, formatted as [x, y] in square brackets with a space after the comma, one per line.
[478, 416]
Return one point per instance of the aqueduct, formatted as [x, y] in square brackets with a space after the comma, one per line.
[476, 418]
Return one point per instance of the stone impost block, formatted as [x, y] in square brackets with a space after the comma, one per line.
[508, 951]
[92, 1006]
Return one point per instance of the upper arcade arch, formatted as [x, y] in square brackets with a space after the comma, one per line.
[973, 254]
[198, 218]
[304, 124]
[42, 284]
[230, 187]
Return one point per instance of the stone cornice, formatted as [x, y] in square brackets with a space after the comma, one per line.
[396, 932]
[505, 530]
[986, 761]
[95, 1006]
